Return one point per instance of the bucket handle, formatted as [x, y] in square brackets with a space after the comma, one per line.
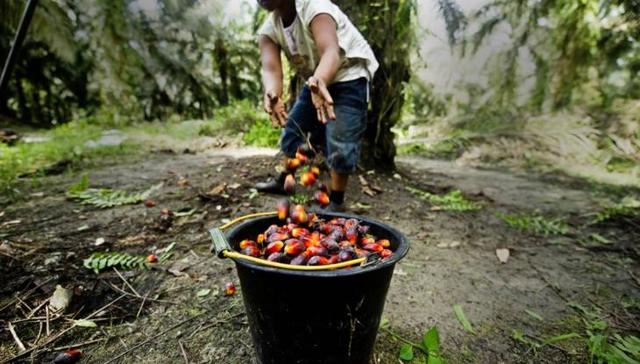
[222, 248]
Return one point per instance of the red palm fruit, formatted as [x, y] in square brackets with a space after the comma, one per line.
[330, 244]
[294, 247]
[298, 232]
[277, 236]
[150, 203]
[315, 170]
[363, 229]
[386, 253]
[312, 239]
[152, 258]
[283, 209]
[318, 250]
[301, 259]
[245, 243]
[351, 234]
[367, 240]
[322, 198]
[68, 357]
[318, 260]
[351, 222]
[345, 255]
[293, 164]
[361, 253]
[289, 183]
[334, 259]
[376, 248]
[307, 179]
[345, 244]
[270, 230]
[260, 239]
[251, 251]
[274, 247]
[384, 242]
[277, 257]
[300, 216]
[229, 289]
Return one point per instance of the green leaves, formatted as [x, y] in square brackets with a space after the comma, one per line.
[406, 352]
[431, 341]
[100, 261]
[462, 318]
[535, 224]
[452, 201]
[534, 315]
[105, 197]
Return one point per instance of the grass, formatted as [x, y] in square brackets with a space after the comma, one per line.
[535, 223]
[65, 142]
[627, 208]
[452, 201]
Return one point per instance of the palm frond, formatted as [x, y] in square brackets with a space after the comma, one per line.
[454, 19]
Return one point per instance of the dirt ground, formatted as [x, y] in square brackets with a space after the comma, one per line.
[178, 313]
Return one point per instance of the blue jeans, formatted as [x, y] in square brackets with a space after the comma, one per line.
[339, 139]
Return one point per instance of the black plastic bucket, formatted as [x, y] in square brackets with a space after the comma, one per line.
[320, 317]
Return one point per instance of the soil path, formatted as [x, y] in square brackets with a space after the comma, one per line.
[452, 261]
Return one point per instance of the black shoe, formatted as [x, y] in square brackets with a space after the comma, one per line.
[273, 185]
[332, 207]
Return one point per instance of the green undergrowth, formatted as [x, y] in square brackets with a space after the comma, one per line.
[451, 201]
[535, 223]
[64, 143]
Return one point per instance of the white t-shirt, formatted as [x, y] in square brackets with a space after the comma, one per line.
[357, 58]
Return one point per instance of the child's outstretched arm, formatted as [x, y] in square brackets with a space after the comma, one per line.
[324, 30]
[272, 81]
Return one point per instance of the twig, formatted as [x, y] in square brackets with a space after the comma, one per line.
[139, 297]
[144, 299]
[47, 314]
[78, 345]
[184, 353]
[153, 338]
[35, 342]
[15, 337]
[37, 308]
[127, 283]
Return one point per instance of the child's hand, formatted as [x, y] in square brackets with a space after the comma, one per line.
[274, 106]
[321, 100]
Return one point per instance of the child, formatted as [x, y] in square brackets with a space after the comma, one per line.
[327, 50]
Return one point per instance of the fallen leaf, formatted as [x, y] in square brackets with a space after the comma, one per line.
[60, 299]
[37, 195]
[363, 181]
[9, 223]
[462, 318]
[368, 191]
[84, 323]
[503, 255]
[99, 241]
[83, 228]
[234, 186]
[203, 292]
[454, 244]
[218, 190]
[183, 182]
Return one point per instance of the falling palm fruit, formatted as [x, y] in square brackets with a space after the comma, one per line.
[307, 179]
[289, 183]
[315, 170]
[149, 203]
[293, 164]
[229, 289]
[283, 209]
[260, 239]
[306, 150]
[152, 258]
[299, 215]
[322, 198]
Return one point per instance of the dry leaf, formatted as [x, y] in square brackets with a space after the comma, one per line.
[218, 190]
[60, 299]
[503, 255]
[183, 182]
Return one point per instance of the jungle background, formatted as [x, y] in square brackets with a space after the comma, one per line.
[513, 125]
